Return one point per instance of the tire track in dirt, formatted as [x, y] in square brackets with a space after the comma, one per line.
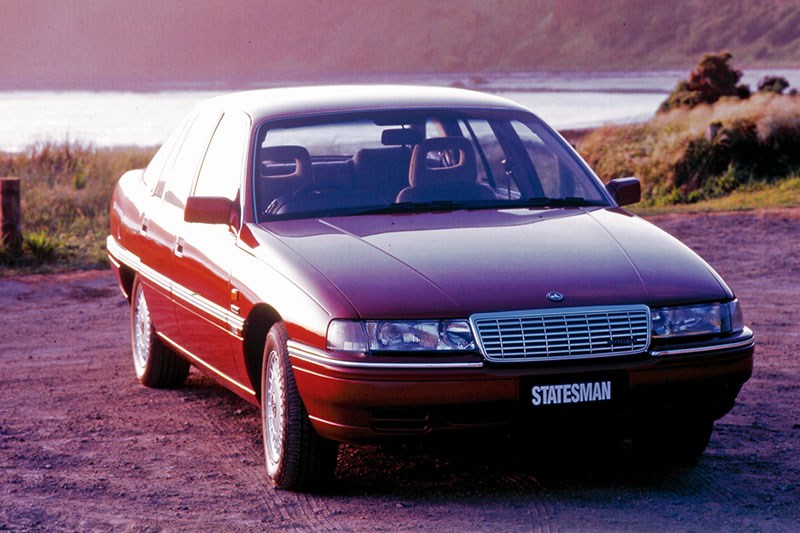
[332, 511]
[541, 511]
[226, 416]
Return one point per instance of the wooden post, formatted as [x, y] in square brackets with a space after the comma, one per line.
[10, 216]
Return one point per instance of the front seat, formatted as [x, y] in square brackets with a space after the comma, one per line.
[284, 171]
[456, 182]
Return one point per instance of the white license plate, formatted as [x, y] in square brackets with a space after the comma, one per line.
[582, 392]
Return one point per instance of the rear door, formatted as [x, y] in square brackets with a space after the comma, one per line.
[164, 219]
[152, 242]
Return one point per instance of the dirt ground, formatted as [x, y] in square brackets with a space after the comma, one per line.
[84, 447]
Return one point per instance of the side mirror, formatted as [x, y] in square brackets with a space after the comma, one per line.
[625, 191]
[207, 210]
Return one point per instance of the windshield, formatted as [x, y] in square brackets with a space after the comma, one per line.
[414, 160]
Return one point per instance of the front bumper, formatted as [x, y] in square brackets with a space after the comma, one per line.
[354, 400]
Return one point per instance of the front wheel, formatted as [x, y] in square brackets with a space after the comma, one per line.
[156, 365]
[297, 458]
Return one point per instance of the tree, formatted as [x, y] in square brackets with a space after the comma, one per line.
[712, 79]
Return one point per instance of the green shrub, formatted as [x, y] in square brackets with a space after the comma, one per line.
[43, 247]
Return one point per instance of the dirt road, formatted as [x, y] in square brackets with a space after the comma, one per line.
[84, 447]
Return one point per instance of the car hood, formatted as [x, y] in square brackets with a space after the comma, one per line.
[450, 264]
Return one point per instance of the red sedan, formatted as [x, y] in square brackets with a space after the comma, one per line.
[372, 262]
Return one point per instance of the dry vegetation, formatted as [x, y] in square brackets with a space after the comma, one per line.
[65, 193]
[692, 155]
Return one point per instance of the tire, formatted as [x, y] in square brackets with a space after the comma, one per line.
[296, 457]
[677, 440]
[156, 365]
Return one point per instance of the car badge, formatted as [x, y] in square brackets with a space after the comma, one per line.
[554, 296]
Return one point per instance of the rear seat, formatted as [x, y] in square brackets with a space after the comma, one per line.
[373, 176]
[384, 170]
[337, 174]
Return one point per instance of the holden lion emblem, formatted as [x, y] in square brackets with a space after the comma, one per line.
[554, 296]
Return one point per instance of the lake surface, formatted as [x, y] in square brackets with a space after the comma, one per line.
[564, 99]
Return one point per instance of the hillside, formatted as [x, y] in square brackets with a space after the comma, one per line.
[146, 43]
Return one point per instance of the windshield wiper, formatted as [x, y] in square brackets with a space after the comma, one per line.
[569, 201]
[449, 205]
[413, 207]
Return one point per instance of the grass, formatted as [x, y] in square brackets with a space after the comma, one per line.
[783, 194]
[65, 192]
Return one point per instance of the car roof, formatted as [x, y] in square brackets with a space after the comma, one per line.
[293, 101]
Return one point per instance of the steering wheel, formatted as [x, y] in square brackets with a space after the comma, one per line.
[278, 204]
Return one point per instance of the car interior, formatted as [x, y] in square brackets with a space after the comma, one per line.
[420, 163]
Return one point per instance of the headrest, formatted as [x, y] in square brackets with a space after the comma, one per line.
[464, 170]
[400, 137]
[279, 156]
[371, 157]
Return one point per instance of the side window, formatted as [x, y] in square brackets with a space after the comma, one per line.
[154, 170]
[180, 178]
[221, 172]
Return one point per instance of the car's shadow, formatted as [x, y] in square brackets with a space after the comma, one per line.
[485, 464]
[462, 465]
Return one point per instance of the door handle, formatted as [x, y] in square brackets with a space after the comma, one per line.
[145, 222]
[179, 242]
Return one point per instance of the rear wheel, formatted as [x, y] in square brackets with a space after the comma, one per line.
[675, 440]
[155, 364]
[297, 458]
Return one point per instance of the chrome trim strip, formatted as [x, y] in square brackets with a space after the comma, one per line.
[317, 356]
[196, 359]
[235, 323]
[133, 261]
[334, 424]
[747, 343]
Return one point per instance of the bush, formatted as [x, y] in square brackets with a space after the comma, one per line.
[773, 84]
[712, 79]
[734, 157]
[43, 247]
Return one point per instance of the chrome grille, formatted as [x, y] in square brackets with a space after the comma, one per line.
[554, 334]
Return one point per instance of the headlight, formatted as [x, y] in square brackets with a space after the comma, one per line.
[400, 336]
[697, 320]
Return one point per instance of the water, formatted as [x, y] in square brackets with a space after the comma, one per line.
[565, 100]
[100, 118]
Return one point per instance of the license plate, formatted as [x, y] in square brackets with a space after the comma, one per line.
[572, 393]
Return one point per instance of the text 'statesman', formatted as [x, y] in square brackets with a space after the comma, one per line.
[596, 391]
